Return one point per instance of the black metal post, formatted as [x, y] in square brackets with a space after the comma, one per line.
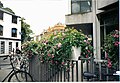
[72, 71]
[76, 71]
[81, 71]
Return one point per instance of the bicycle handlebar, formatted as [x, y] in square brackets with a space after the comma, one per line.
[6, 56]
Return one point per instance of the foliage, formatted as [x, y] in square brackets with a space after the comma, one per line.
[1, 4]
[56, 48]
[26, 31]
[111, 47]
[28, 48]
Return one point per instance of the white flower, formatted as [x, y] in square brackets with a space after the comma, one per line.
[86, 48]
[59, 45]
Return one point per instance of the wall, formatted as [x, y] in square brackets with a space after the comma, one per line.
[7, 26]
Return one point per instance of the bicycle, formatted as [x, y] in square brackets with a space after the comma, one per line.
[21, 62]
[88, 76]
[24, 63]
[17, 75]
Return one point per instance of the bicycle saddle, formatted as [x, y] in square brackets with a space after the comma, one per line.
[89, 75]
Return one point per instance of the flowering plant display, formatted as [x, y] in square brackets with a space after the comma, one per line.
[111, 48]
[56, 47]
[29, 49]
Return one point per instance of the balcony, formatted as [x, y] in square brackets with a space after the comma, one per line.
[79, 18]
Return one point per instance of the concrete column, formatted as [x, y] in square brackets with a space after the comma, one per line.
[97, 29]
[69, 6]
[94, 28]
[96, 32]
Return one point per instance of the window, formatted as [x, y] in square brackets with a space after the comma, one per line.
[2, 47]
[14, 19]
[16, 44]
[86, 28]
[1, 30]
[14, 32]
[10, 47]
[1, 15]
[81, 6]
[108, 22]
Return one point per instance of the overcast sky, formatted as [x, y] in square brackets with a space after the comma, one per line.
[39, 14]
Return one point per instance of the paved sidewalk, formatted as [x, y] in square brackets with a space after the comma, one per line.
[3, 73]
[4, 69]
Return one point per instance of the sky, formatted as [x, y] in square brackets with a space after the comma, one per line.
[39, 14]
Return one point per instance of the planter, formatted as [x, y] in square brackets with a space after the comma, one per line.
[76, 52]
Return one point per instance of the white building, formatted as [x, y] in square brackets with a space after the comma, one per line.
[10, 32]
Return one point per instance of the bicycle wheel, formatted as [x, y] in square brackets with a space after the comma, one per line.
[20, 76]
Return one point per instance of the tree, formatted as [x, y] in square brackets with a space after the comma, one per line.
[1, 4]
[26, 31]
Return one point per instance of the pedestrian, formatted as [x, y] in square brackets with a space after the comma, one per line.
[18, 50]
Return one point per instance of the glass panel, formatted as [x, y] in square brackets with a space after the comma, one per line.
[2, 47]
[75, 7]
[85, 6]
[110, 18]
[80, 6]
[10, 47]
[110, 28]
[109, 22]
[14, 19]
[16, 44]
[1, 30]
[1, 15]
[14, 32]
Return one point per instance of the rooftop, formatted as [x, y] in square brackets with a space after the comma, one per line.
[5, 11]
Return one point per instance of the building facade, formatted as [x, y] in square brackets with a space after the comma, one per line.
[58, 27]
[96, 18]
[10, 32]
